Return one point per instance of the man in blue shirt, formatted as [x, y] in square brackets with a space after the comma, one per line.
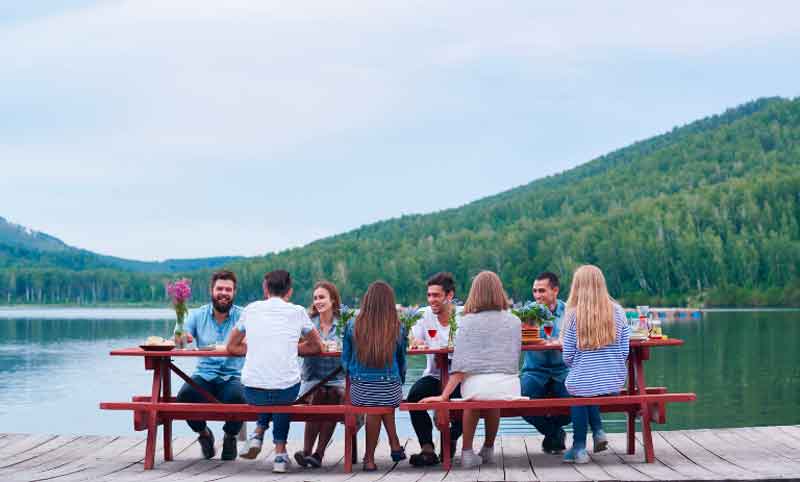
[544, 372]
[221, 376]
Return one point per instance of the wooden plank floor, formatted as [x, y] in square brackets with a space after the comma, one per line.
[756, 453]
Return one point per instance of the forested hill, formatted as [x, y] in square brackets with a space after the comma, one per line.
[21, 247]
[704, 213]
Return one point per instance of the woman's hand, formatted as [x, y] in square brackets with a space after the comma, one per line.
[438, 398]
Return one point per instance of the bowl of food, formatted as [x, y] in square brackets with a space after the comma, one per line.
[157, 343]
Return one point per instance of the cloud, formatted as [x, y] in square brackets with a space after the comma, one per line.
[283, 99]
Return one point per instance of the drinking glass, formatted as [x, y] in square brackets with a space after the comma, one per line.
[547, 328]
[432, 332]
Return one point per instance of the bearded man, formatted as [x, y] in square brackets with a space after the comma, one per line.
[210, 325]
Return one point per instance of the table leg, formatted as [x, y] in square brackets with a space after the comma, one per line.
[444, 429]
[167, 394]
[647, 436]
[152, 419]
[631, 429]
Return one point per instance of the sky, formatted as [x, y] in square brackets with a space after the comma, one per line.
[154, 129]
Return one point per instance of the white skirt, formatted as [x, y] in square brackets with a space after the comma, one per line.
[491, 386]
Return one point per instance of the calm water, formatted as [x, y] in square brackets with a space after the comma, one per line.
[55, 369]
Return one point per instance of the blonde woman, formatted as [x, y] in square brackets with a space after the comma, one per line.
[485, 361]
[596, 338]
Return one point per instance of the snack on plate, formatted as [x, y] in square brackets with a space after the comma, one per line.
[157, 341]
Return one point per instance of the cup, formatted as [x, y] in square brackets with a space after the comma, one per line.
[547, 329]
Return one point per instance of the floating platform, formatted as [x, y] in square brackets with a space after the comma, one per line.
[757, 453]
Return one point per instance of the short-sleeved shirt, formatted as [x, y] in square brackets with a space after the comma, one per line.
[429, 321]
[205, 330]
[273, 328]
[315, 368]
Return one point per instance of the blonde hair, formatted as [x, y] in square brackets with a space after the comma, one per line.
[593, 308]
[486, 294]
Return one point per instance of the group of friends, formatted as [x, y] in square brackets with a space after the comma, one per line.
[484, 364]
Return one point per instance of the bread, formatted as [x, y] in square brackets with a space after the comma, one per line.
[157, 340]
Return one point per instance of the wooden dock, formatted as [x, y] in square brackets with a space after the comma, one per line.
[758, 453]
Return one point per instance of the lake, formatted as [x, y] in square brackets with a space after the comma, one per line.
[55, 369]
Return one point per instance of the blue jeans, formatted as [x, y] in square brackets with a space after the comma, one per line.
[286, 396]
[225, 391]
[582, 418]
[539, 385]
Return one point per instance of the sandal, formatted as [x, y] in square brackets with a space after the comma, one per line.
[399, 454]
[366, 467]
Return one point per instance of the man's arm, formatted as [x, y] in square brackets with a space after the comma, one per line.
[236, 344]
[310, 344]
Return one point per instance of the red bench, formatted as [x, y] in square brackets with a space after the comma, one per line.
[651, 407]
[148, 415]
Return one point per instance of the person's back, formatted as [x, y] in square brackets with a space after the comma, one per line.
[598, 371]
[595, 346]
[271, 374]
[273, 327]
[488, 342]
[374, 355]
[357, 370]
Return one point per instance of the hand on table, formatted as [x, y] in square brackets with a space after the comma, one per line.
[437, 398]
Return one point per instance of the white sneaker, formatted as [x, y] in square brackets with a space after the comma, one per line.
[252, 448]
[469, 459]
[281, 463]
[487, 454]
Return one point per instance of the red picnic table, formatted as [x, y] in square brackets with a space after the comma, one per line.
[161, 389]
[637, 385]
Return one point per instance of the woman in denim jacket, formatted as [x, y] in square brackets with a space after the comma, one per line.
[374, 355]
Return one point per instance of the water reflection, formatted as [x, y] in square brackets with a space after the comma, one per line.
[742, 365]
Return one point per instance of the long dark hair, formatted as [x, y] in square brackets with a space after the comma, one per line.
[377, 326]
[336, 301]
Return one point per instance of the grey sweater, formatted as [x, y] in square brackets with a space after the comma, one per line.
[487, 342]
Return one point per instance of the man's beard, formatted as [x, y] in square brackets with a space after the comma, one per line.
[221, 307]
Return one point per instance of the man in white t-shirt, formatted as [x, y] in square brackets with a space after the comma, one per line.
[271, 374]
[433, 330]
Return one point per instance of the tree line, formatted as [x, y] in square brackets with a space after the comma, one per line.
[705, 214]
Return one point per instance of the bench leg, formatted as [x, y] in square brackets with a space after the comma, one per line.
[631, 433]
[443, 421]
[349, 442]
[647, 435]
[152, 420]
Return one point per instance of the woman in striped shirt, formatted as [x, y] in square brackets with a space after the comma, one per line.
[595, 337]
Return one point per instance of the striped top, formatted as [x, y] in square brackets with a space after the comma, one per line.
[596, 372]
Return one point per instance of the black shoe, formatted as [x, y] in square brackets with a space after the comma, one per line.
[559, 444]
[423, 459]
[229, 447]
[547, 445]
[207, 444]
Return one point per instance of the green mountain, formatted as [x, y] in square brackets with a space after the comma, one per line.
[22, 247]
[706, 213]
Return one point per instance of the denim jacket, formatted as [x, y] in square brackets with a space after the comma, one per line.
[357, 371]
